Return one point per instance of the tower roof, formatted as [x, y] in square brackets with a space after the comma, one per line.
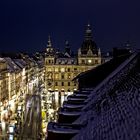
[88, 32]
[49, 43]
[88, 42]
[67, 49]
[49, 49]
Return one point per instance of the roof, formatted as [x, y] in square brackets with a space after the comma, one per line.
[20, 62]
[89, 44]
[112, 109]
[2, 59]
[12, 67]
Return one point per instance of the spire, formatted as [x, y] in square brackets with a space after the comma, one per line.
[49, 49]
[49, 43]
[67, 47]
[88, 32]
[79, 52]
[99, 52]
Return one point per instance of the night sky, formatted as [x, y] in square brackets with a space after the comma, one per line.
[26, 24]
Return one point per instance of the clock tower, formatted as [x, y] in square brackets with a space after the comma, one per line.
[89, 54]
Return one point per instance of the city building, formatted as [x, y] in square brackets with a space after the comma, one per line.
[21, 77]
[4, 96]
[61, 68]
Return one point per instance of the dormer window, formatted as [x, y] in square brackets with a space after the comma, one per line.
[66, 61]
[59, 61]
[72, 61]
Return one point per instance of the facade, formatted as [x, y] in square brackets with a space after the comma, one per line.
[4, 96]
[61, 68]
[20, 77]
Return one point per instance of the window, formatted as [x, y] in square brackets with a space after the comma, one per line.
[49, 75]
[68, 83]
[56, 76]
[56, 83]
[83, 61]
[74, 83]
[59, 61]
[49, 61]
[62, 69]
[89, 61]
[49, 69]
[69, 76]
[72, 61]
[75, 69]
[62, 83]
[66, 61]
[62, 76]
[96, 61]
[68, 69]
[56, 69]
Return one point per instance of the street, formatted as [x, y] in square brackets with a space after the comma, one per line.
[32, 121]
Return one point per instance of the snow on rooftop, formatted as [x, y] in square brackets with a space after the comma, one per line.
[11, 65]
[2, 59]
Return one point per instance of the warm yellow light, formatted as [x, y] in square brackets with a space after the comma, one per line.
[62, 69]
[56, 69]
[49, 69]
[89, 61]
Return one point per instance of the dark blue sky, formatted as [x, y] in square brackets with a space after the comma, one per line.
[26, 24]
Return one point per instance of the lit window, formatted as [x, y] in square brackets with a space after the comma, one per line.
[49, 69]
[62, 69]
[62, 83]
[69, 76]
[56, 76]
[49, 75]
[89, 61]
[56, 69]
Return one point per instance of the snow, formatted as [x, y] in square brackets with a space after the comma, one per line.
[11, 65]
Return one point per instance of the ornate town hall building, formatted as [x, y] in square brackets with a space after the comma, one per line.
[61, 68]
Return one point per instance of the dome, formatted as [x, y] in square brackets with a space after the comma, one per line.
[88, 43]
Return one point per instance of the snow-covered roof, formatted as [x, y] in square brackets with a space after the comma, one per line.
[2, 59]
[12, 67]
[20, 62]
